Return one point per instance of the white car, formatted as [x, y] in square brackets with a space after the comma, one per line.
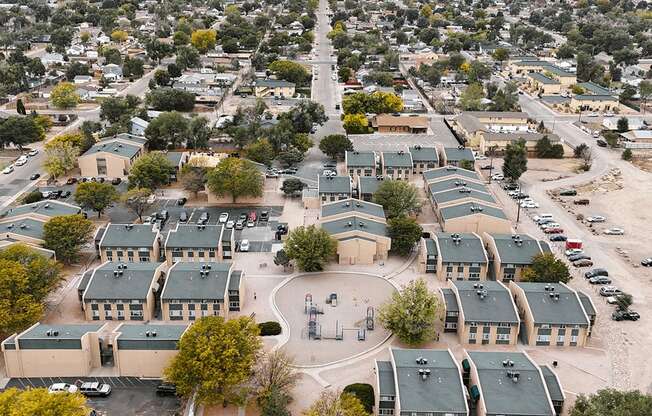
[244, 245]
[230, 224]
[550, 225]
[592, 115]
[614, 231]
[62, 388]
[224, 217]
[596, 218]
[21, 161]
[573, 251]
[609, 114]
[529, 204]
[33, 152]
[8, 169]
[497, 176]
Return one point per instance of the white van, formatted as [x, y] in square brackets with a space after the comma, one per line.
[540, 217]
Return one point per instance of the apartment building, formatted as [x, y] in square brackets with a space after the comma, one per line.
[195, 243]
[360, 164]
[456, 156]
[454, 256]
[131, 243]
[334, 188]
[406, 124]
[423, 159]
[397, 165]
[112, 157]
[368, 185]
[511, 254]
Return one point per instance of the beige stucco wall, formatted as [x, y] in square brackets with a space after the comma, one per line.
[116, 166]
[153, 253]
[223, 311]
[477, 223]
[463, 331]
[357, 251]
[143, 363]
[575, 105]
[23, 238]
[287, 92]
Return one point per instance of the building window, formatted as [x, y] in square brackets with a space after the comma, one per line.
[472, 335]
[450, 325]
[108, 314]
[175, 314]
[560, 338]
[543, 338]
[573, 338]
[485, 336]
[200, 254]
[502, 337]
[96, 314]
[190, 254]
[143, 259]
[386, 412]
[386, 398]
[211, 254]
[136, 315]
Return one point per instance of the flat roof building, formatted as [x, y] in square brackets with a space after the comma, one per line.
[423, 159]
[512, 254]
[456, 256]
[455, 155]
[194, 242]
[368, 185]
[474, 217]
[397, 165]
[334, 188]
[129, 243]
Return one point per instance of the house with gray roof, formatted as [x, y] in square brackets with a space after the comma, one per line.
[485, 310]
[552, 313]
[26, 230]
[461, 195]
[451, 172]
[112, 157]
[455, 184]
[420, 381]
[360, 231]
[334, 188]
[423, 159]
[473, 217]
[41, 210]
[360, 163]
[195, 243]
[368, 185]
[349, 207]
[456, 156]
[510, 254]
[457, 256]
[507, 383]
[49, 350]
[121, 291]
[553, 385]
[129, 243]
[397, 165]
[194, 290]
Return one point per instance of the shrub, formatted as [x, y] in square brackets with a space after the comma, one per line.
[33, 196]
[269, 328]
[364, 393]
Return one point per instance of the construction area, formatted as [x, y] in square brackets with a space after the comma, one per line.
[332, 316]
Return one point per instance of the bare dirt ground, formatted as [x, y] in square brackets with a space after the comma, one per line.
[643, 163]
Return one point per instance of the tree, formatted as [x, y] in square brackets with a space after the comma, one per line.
[193, 179]
[204, 39]
[330, 403]
[335, 145]
[305, 115]
[19, 130]
[611, 138]
[39, 402]
[199, 133]
[281, 259]
[310, 247]
[627, 155]
[112, 56]
[612, 402]
[119, 36]
[18, 307]
[187, 57]
[471, 98]
[169, 99]
[624, 301]
[150, 171]
[215, 359]
[292, 186]
[20, 107]
[577, 152]
[411, 313]
[587, 159]
[290, 157]
[235, 177]
[138, 201]
[260, 151]
[546, 150]
[397, 198]
[162, 77]
[95, 196]
[290, 71]
[355, 123]
[500, 54]
[364, 392]
[273, 380]
[515, 160]
[167, 130]
[60, 157]
[404, 232]
[132, 67]
[546, 268]
[645, 91]
[64, 96]
[66, 234]
[274, 403]
[113, 109]
[623, 124]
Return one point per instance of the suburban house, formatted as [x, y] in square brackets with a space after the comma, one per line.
[510, 254]
[194, 290]
[334, 188]
[368, 185]
[408, 124]
[472, 125]
[397, 165]
[121, 291]
[423, 159]
[485, 313]
[589, 102]
[456, 156]
[360, 229]
[112, 72]
[511, 384]
[553, 314]
[129, 243]
[273, 88]
[138, 126]
[195, 242]
[360, 163]
[112, 157]
[454, 256]
[541, 84]
[420, 381]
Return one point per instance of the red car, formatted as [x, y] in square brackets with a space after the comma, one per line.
[553, 231]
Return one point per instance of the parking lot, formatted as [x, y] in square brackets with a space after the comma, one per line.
[129, 395]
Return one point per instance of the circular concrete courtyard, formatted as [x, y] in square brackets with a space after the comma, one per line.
[355, 294]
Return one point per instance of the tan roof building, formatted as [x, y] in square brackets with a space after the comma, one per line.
[389, 123]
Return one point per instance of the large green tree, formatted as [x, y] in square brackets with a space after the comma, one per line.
[18, 306]
[335, 145]
[66, 234]
[64, 96]
[546, 268]
[290, 71]
[60, 157]
[397, 198]
[43, 273]
[404, 232]
[612, 402]
[150, 171]
[170, 99]
[411, 313]
[515, 160]
[215, 360]
[260, 151]
[18, 131]
[167, 130]
[235, 177]
[310, 247]
[138, 201]
[274, 378]
[95, 196]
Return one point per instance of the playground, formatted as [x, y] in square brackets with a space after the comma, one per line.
[332, 316]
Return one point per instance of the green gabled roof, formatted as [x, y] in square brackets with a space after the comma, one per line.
[471, 208]
[354, 223]
[398, 159]
[115, 147]
[352, 206]
[128, 235]
[542, 78]
[455, 183]
[456, 154]
[369, 184]
[461, 193]
[516, 249]
[334, 184]
[460, 248]
[184, 281]
[360, 159]
[449, 171]
[27, 227]
[424, 154]
[189, 236]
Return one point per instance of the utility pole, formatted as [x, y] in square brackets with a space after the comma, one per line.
[518, 202]
[491, 163]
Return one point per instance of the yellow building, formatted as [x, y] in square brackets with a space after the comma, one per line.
[112, 157]
[360, 229]
[539, 83]
[472, 217]
[273, 88]
[599, 103]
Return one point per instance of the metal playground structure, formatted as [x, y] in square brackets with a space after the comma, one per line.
[314, 328]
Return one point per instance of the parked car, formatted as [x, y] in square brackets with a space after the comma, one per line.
[224, 217]
[203, 218]
[183, 216]
[583, 201]
[568, 192]
[34, 176]
[583, 263]
[8, 169]
[66, 194]
[607, 291]
[21, 161]
[230, 224]
[62, 388]
[282, 228]
[498, 176]
[166, 389]
[600, 280]
[486, 167]
[71, 181]
[251, 222]
[239, 224]
[601, 143]
[558, 237]
[580, 256]
[614, 231]
[95, 389]
[625, 316]
[182, 201]
[596, 272]
[647, 262]
[613, 300]
[596, 218]
[33, 152]
[553, 230]
[116, 181]
[244, 245]
[264, 216]
[573, 251]
[271, 174]
[549, 225]
[529, 204]
[511, 186]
